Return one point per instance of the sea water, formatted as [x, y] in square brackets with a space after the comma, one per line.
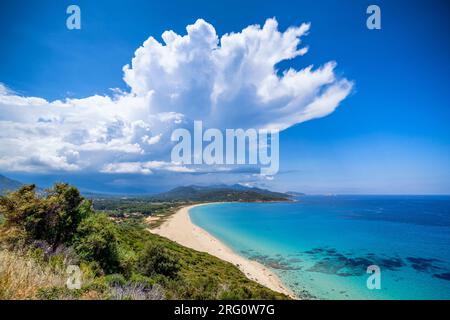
[321, 246]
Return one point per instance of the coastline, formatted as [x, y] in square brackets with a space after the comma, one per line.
[179, 228]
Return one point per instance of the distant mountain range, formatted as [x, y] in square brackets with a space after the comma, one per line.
[220, 192]
[7, 184]
[234, 192]
[295, 193]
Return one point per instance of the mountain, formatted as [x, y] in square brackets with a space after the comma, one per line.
[296, 194]
[241, 187]
[221, 193]
[7, 184]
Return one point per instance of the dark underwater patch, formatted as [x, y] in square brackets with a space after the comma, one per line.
[391, 263]
[315, 251]
[277, 262]
[330, 261]
[443, 276]
[424, 264]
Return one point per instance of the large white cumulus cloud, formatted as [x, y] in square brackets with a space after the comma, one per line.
[228, 82]
[234, 82]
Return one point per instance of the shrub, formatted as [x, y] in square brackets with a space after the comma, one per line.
[155, 259]
[115, 279]
[136, 291]
[95, 241]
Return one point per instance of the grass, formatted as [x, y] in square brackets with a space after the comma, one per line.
[21, 276]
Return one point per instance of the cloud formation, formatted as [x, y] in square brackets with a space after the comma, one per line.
[227, 82]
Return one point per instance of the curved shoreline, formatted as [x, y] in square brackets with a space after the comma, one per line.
[181, 229]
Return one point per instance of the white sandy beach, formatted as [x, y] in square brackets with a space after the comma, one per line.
[180, 229]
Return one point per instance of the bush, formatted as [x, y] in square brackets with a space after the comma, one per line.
[95, 241]
[157, 260]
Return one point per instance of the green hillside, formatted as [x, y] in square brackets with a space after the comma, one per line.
[220, 193]
[7, 184]
[41, 235]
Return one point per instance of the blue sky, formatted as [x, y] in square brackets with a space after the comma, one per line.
[390, 135]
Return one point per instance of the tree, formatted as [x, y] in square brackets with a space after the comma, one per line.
[65, 211]
[96, 241]
[53, 218]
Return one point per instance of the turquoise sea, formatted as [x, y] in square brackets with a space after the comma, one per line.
[321, 246]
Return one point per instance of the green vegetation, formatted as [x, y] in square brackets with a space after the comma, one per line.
[221, 193]
[130, 206]
[41, 234]
[126, 210]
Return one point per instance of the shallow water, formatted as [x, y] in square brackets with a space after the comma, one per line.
[321, 246]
